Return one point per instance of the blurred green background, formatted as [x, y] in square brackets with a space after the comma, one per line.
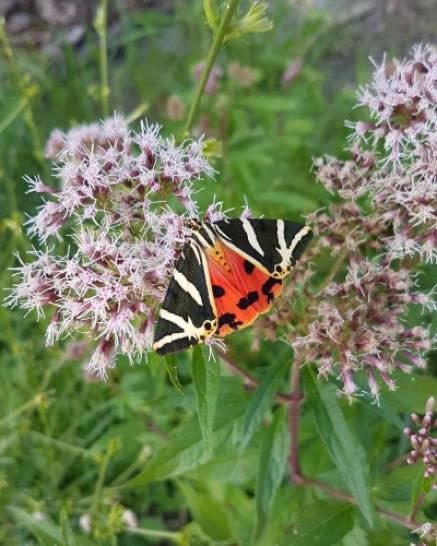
[281, 99]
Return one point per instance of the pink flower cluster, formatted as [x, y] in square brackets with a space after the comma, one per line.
[428, 533]
[356, 326]
[383, 216]
[111, 206]
[402, 100]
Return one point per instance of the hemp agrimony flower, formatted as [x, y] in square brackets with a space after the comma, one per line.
[384, 210]
[402, 100]
[111, 206]
[428, 534]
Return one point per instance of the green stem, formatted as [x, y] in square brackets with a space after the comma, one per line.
[97, 498]
[26, 90]
[341, 256]
[100, 24]
[70, 448]
[29, 405]
[212, 55]
[153, 533]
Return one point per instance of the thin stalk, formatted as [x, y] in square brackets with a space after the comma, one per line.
[97, 497]
[334, 269]
[101, 22]
[212, 55]
[335, 493]
[153, 533]
[70, 448]
[249, 379]
[415, 509]
[26, 90]
[27, 406]
[293, 419]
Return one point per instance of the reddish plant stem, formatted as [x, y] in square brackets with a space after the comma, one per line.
[296, 476]
[249, 380]
[336, 494]
[294, 401]
[415, 509]
[293, 419]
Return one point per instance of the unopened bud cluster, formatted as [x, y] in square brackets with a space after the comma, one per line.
[424, 445]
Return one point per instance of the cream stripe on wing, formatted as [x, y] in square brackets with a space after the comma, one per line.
[251, 236]
[298, 237]
[187, 286]
[168, 339]
[280, 233]
[186, 325]
[287, 253]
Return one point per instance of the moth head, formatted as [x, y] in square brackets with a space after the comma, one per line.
[208, 329]
[281, 270]
[194, 224]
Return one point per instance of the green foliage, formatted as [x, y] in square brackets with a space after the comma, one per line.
[208, 466]
[343, 447]
[206, 380]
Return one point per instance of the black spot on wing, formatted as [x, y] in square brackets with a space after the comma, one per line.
[218, 291]
[249, 300]
[248, 267]
[267, 287]
[228, 319]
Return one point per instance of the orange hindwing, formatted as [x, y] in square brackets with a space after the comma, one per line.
[241, 290]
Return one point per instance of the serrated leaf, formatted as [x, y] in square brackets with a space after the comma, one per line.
[260, 402]
[172, 370]
[46, 532]
[271, 466]
[208, 512]
[184, 451]
[342, 445]
[206, 379]
[322, 523]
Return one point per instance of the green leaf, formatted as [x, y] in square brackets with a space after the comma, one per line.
[206, 379]
[184, 451]
[417, 488]
[272, 104]
[343, 446]
[13, 113]
[260, 402]
[288, 501]
[321, 524]
[272, 460]
[66, 530]
[47, 533]
[412, 392]
[288, 200]
[172, 370]
[211, 14]
[207, 511]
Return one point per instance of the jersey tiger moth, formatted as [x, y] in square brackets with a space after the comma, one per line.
[227, 275]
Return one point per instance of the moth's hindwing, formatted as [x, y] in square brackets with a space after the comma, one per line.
[188, 315]
[242, 291]
[272, 245]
